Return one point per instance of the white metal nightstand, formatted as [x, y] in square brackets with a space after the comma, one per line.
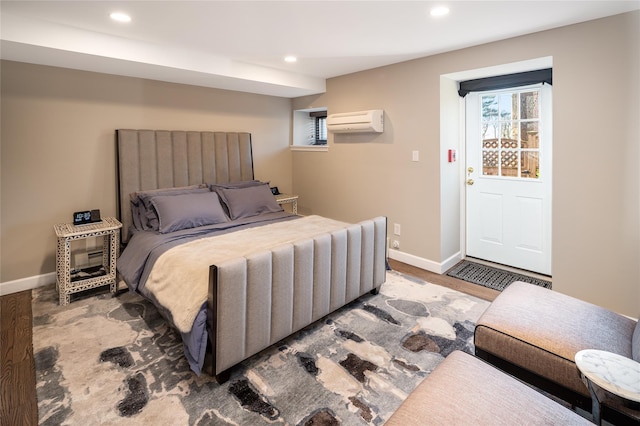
[288, 199]
[109, 229]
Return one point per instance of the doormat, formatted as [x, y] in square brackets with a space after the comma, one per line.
[488, 276]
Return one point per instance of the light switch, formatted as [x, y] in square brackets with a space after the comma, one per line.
[415, 156]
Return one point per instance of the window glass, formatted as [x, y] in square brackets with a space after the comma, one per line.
[321, 130]
[310, 130]
[510, 134]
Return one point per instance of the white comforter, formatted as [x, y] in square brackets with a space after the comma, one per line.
[180, 277]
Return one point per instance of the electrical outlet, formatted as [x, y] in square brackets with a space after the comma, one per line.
[396, 229]
[396, 244]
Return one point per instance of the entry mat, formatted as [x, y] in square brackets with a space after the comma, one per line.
[488, 276]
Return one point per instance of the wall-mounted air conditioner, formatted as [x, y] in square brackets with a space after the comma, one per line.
[371, 121]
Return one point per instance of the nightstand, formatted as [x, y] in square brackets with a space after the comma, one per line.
[105, 274]
[288, 199]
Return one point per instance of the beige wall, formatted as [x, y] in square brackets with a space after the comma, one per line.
[58, 146]
[58, 151]
[596, 188]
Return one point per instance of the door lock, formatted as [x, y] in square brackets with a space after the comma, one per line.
[469, 181]
[470, 170]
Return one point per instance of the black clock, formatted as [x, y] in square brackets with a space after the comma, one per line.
[84, 217]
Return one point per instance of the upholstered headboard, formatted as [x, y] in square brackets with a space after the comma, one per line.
[154, 159]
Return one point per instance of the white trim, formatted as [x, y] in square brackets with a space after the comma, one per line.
[309, 147]
[36, 281]
[514, 67]
[451, 262]
[426, 264]
[509, 68]
[462, 158]
[27, 283]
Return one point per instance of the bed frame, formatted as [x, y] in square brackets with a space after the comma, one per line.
[257, 300]
[154, 159]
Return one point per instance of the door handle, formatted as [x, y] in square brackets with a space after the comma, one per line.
[469, 181]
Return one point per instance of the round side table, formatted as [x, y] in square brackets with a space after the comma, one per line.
[611, 372]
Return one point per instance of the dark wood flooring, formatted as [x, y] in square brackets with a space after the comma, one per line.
[18, 377]
[17, 373]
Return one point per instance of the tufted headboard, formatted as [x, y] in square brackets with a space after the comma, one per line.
[154, 159]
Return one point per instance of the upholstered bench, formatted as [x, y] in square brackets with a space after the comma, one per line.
[534, 334]
[466, 390]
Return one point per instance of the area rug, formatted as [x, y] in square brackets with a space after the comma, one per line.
[113, 360]
[487, 276]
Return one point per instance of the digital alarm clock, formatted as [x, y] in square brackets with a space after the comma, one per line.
[85, 217]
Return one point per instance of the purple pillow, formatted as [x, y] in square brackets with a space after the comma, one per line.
[144, 215]
[237, 184]
[176, 212]
[249, 201]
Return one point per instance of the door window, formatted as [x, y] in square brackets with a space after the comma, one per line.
[510, 134]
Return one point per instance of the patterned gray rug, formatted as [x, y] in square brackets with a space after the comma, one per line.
[487, 276]
[113, 360]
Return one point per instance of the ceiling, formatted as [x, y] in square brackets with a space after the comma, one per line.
[241, 45]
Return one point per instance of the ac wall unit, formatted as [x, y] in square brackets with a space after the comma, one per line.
[371, 121]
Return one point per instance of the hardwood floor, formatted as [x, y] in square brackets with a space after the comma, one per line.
[445, 281]
[17, 373]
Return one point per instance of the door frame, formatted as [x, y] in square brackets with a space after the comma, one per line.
[462, 175]
[452, 136]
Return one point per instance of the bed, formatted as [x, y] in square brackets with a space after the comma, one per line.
[223, 262]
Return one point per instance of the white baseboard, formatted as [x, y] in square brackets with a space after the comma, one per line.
[451, 262]
[27, 283]
[426, 264]
[419, 262]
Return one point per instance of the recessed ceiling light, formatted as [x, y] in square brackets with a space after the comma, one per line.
[120, 17]
[290, 59]
[439, 11]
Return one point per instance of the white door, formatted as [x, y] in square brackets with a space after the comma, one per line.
[508, 177]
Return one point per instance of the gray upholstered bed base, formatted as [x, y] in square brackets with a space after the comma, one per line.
[263, 298]
[254, 301]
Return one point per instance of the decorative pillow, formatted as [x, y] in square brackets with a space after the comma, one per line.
[135, 211]
[249, 201]
[238, 184]
[144, 215]
[217, 187]
[176, 212]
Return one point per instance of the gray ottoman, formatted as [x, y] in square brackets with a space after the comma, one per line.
[464, 390]
[534, 334]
